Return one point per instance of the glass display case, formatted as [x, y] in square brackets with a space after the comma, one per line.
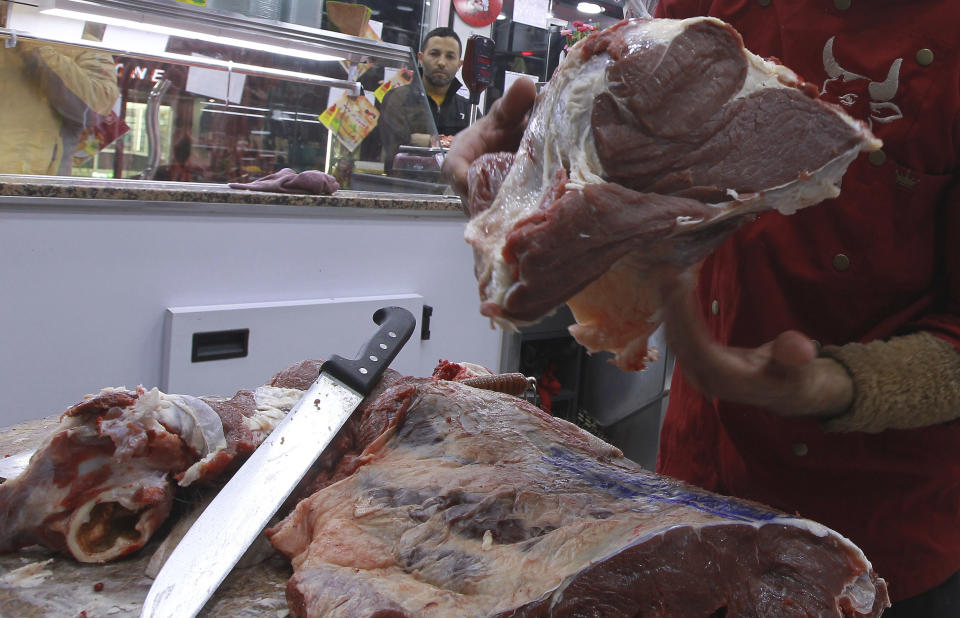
[195, 91]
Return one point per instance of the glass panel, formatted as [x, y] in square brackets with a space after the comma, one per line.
[399, 20]
[140, 105]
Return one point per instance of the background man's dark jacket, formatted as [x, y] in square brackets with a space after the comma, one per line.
[404, 112]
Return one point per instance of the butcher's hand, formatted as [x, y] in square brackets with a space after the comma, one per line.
[498, 131]
[784, 376]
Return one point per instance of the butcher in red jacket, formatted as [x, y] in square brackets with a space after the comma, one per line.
[818, 367]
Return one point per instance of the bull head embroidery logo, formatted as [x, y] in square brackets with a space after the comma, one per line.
[864, 98]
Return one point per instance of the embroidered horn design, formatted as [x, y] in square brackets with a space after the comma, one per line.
[833, 68]
[884, 91]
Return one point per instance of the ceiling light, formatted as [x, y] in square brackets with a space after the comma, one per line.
[501, 17]
[200, 23]
[198, 61]
[589, 8]
[189, 34]
[226, 113]
[244, 107]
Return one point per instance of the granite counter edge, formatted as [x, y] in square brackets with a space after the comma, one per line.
[214, 194]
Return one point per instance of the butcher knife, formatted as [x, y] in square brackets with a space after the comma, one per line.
[239, 512]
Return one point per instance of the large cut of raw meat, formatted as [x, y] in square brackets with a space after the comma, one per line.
[105, 479]
[439, 499]
[653, 141]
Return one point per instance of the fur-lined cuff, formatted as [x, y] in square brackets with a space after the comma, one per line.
[904, 383]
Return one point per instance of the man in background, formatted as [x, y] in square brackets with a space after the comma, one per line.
[404, 119]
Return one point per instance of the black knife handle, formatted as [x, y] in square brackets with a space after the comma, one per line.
[396, 326]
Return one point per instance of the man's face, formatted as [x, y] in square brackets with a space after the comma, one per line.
[440, 60]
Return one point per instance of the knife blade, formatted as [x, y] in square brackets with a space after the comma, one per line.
[239, 512]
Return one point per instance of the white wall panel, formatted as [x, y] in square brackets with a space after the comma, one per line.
[277, 334]
[83, 294]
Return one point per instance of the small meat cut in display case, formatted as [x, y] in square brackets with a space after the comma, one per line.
[435, 499]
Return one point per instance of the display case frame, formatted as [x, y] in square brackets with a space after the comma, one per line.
[285, 53]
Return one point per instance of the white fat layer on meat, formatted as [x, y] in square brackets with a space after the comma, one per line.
[75, 427]
[762, 74]
[144, 414]
[89, 465]
[474, 370]
[569, 146]
[273, 403]
[126, 483]
[653, 32]
[861, 593]
[194, 421]
[198, 425]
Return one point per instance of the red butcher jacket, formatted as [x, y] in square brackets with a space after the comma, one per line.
[881, 260]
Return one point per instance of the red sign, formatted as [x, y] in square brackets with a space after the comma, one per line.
[478, 13]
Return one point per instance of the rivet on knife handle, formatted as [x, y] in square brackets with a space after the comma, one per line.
[363, 373]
